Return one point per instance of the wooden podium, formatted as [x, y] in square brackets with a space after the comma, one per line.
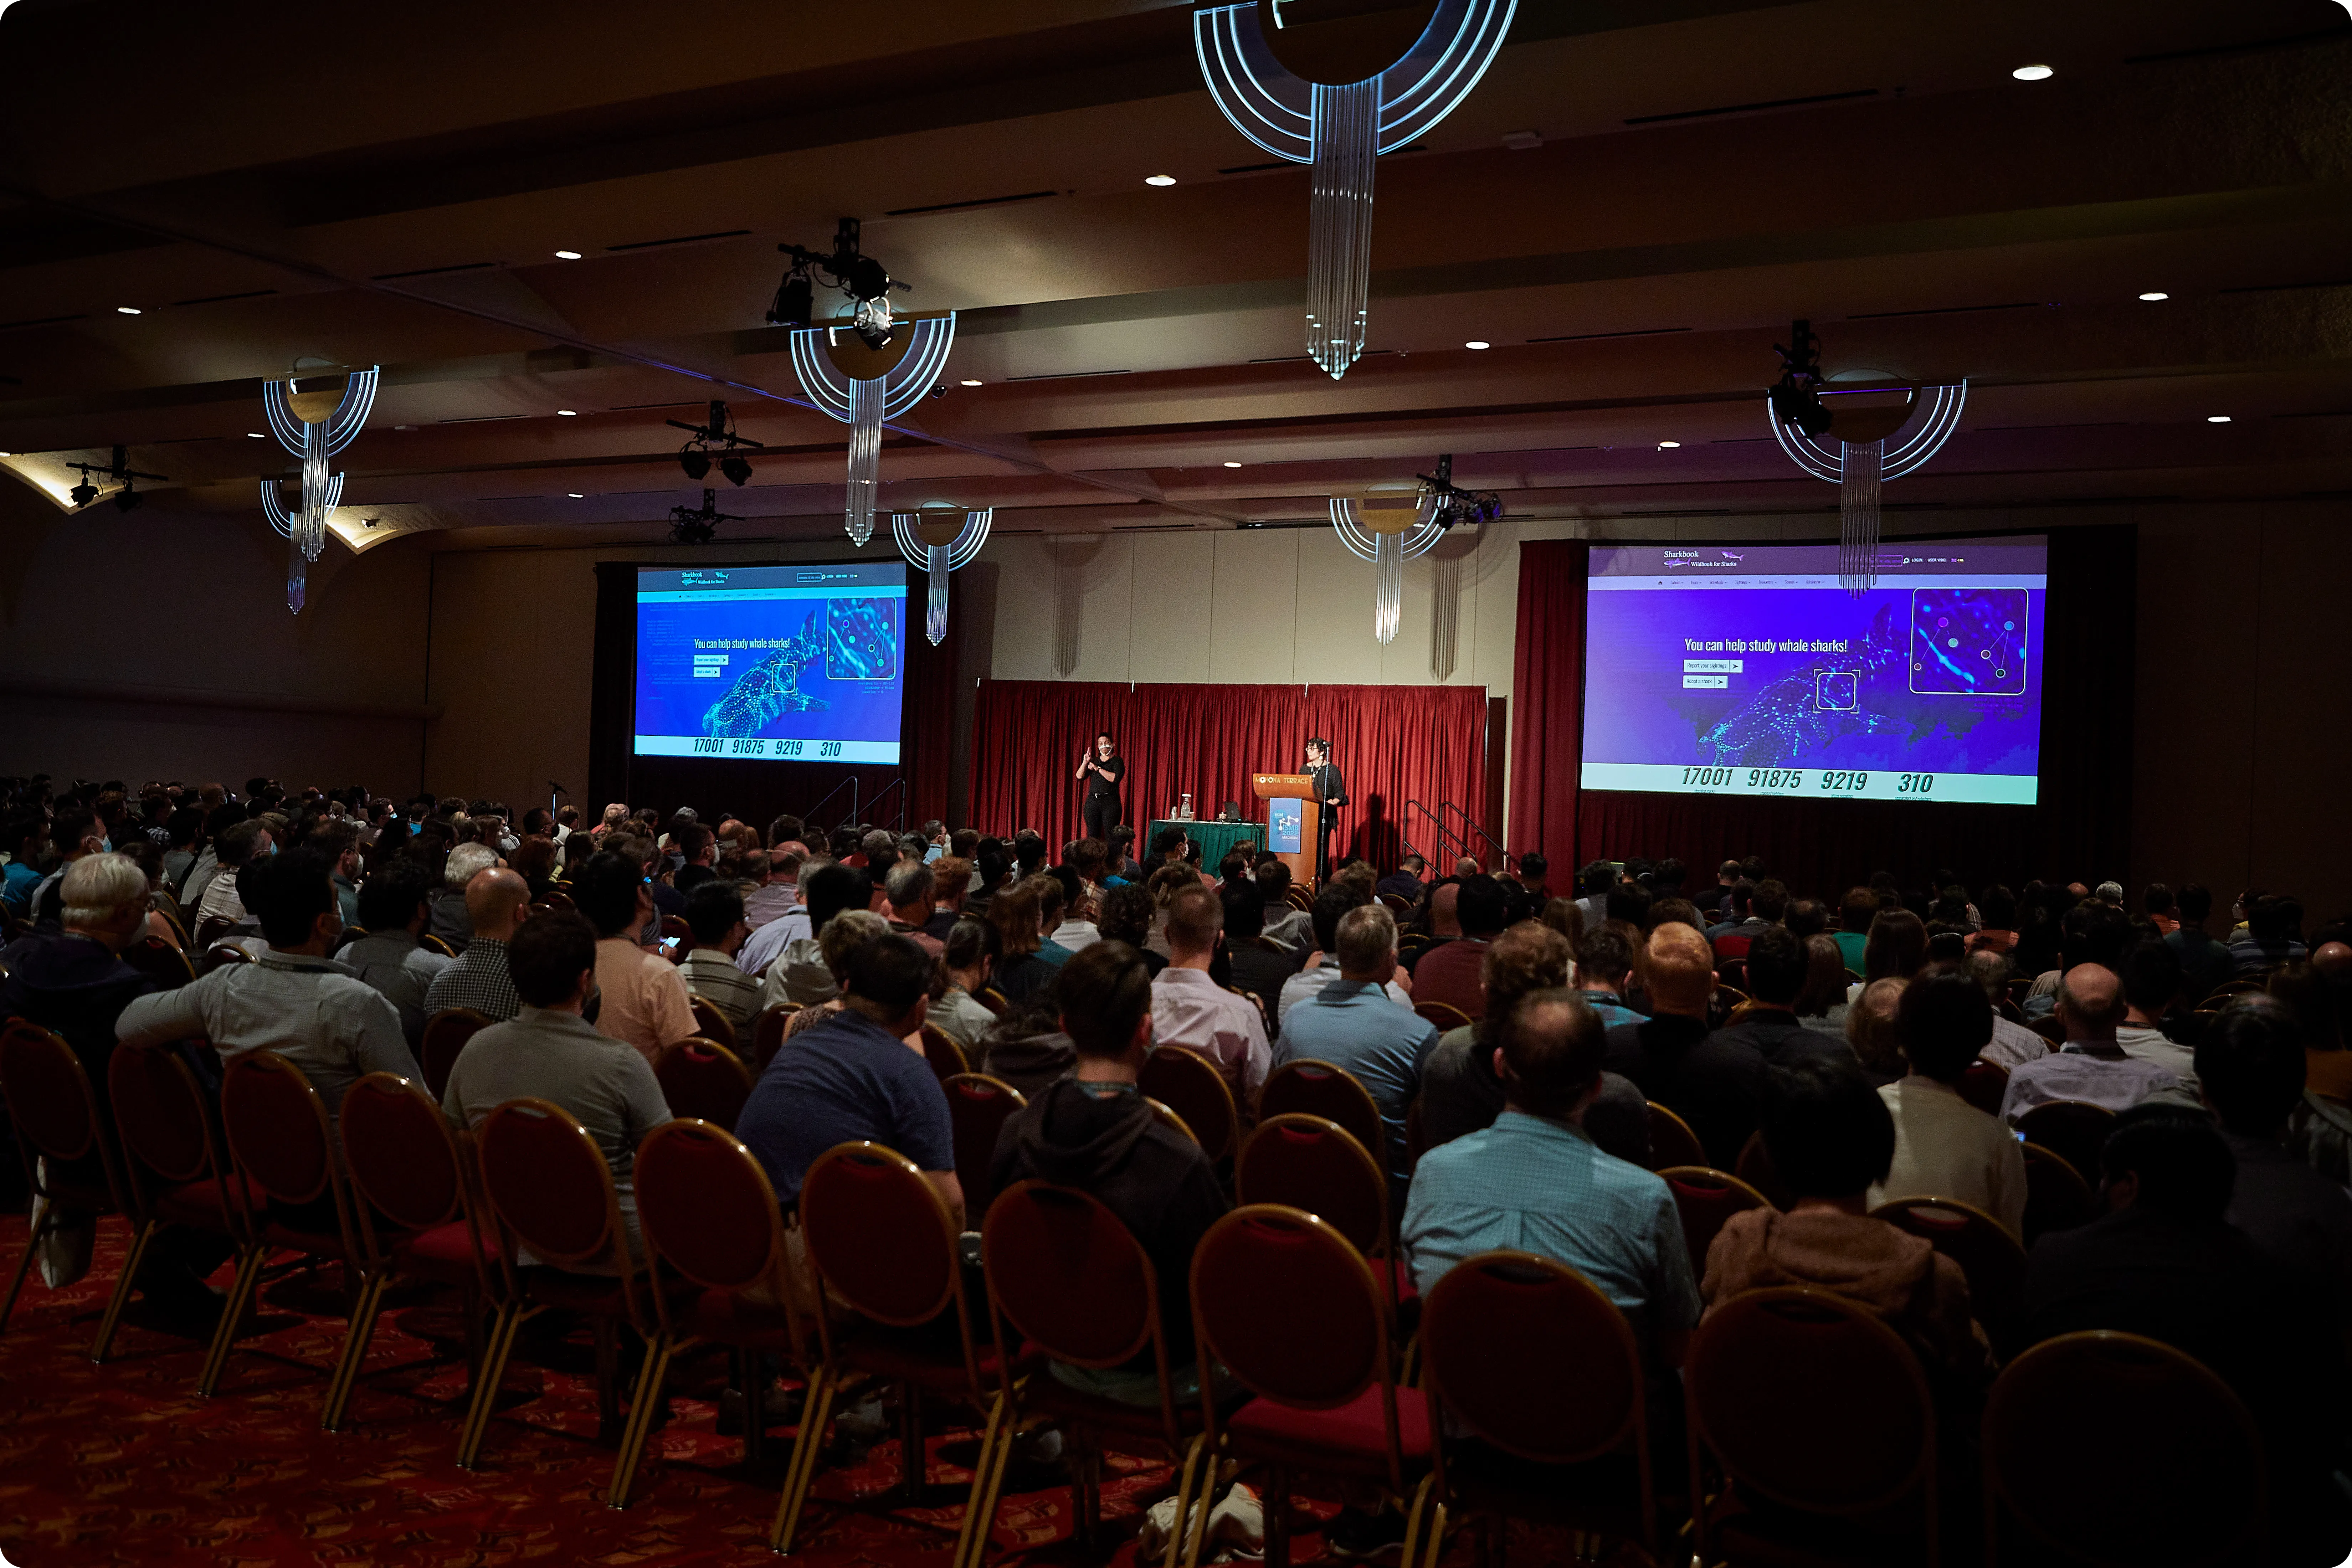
[1293, 821]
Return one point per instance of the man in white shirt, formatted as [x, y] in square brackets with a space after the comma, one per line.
[1077, 928]
[775, 890]
[239, 847]
[1331, 905]
[1945, 1147]
[1191, 1010]
[1287, 927]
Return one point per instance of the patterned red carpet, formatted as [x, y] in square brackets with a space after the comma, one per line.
[124, 1464]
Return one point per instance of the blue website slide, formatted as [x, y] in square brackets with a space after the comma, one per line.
[788, 663]
[1748, 669]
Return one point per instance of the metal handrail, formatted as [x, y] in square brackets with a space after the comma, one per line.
[1508, 859]
[1435, 821]
[874, 810]
[849, 784]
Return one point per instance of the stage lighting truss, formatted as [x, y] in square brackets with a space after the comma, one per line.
[1338, 130]
[1388, 536]
[313, 427]
[1858, 467]
[128, 497]
[697, 525]
[938, 542]
[694, 458]
[862, 386]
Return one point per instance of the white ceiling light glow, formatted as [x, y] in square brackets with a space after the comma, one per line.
[1158, 179]
[2153, 295]
[568, 413]
[2034, 73]
[971, 381]
[2217, 419]
[1477, 344]
[1668, 445]
[567, 256]
[127, 310]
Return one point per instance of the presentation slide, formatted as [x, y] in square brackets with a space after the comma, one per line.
[787, 663]
[1747, 669]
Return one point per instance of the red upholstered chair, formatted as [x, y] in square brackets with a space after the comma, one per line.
[417, 1219]
[1309, 1087]
[978, 1108]
[1289, 1307]
[1672, 1141]
[446, 1034]
[944, 1057]
[57, 1118]
[1983, 1085]
[2056, 1196]
[217, 953]
[159, 962]
[1542, 1370]
[2118, 1450]
[1810, 1401]
[173, 1165]
[1704, 1199]
[548, 1191]
[2074, 1130]
[1754, 1167]
[1190, 1084]
[1067, 1277]
[212, 928]
[705, 1079]
[710, 1022]
[883, 1242]
[709, 1215]
[276, 1130]
[768, 1035]
[1444, 1014]
[1310, 1162]
[1988, 1255]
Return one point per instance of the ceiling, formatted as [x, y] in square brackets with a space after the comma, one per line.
[1629, 209]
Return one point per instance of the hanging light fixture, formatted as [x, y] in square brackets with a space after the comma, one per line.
[1334, 91]
[1388, 531]
[862, 384]
[938, 542]
[314, 426]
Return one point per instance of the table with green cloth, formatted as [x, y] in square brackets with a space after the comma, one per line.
[1216, 839]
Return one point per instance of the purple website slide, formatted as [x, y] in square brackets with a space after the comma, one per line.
[1747, 669]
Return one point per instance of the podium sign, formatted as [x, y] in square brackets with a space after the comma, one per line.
[1292, 814]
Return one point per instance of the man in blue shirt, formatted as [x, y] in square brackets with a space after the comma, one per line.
[1352, 1024]
[854, 1077]
[1536, 1182]
[1604, 967]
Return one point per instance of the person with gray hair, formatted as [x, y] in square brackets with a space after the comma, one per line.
[450, 921]
[2012, 1043]
[907, 892]
[2109, 893]
[1351, 1024]
[2091, 1066]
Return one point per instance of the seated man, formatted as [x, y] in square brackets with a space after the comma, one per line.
[449, 920]
[907, 891]
[1093, 1131]
[1052, 897]
[1351, 1024]
[547, 1051]
[1191, 1010]
[641, 997]
[785, 954]
[1284, 925]
[853, 1077]
[237, 847]
[714, 918]
[393, 911]
[1831, 1140]
[1777, 964]
[777, 893]
[496, 903]
[2091, 1066]
[1404, 882]
[75, 984]
[1077, 931]
[2151, 977]
[1323, 964]
[1462, 1084]
[2011, 1042]
[294, 999]
[1945, 1147]
[1714, 1084]
[1259, 966]
[1604, 973]
[1449, 973]
[1536, 1182]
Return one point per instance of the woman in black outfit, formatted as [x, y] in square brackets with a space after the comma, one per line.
[1103, 770]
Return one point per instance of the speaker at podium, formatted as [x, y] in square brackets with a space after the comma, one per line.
[1293, 821]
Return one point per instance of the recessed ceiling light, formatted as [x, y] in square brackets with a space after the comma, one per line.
[2217, 419]
[567, 256]
[575, 495]
[971, 381]
[1232, 465]
[568, 413]
[2034, 73]
[2153, 295]
[1668, 445]
[1477, 344]
[255, 435]
[1159, 179]
[126, 310]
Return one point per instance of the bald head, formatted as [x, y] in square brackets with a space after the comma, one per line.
[495, 903]
[2333, 959]
[1680, 971]
[2091, 1003]
[1444, 919]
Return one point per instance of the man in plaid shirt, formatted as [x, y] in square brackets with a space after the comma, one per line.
[496, 903]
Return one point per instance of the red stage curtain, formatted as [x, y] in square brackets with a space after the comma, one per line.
[1394, 744]
[1548, 700]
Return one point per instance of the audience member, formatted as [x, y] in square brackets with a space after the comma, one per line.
[1322, 964]
[547, 1051]
[1872, 1032]
[1405, 881]
[2204, 963]
[2090, 1066]
[1077, 930]
[1604, 971]
[717, 931]
[496, 903]
[1021, 971]
[2151, 982]
[393, 908]
[449, 920]
[1259, 966]
[1449, 973]
[239, 846]
[1093, 1131]
[1769, 1025]
[1285, 926]
[1714, 1084]
[1191, 1010]
[1768, 902]
[2273, 935]
[75, 984]
[642, 999]
[2011, 1042]
[1945, 1147]
[968, 959]
[1350, 1022]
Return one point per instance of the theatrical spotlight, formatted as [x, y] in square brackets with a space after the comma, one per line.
[83, 493]
[848, 269]
[1454, 504]
[697, 525]
[1795, 396]
[694, 455]
[128, 497]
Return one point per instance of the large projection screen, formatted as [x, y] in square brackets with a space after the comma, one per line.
[1747, 669]
[801, 663]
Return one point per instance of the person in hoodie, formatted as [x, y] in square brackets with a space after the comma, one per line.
[1093, 1131]
[1832, 1138]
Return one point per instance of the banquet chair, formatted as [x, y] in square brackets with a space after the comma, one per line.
[159, 962]
[941, 1053]
[1444, 1014]
[1704, 1199]
[1672, 1141]
[1982, 1085]
[703, 1078]
[768, 1035]
[446, 1034]
[173, 1170]
[1311, 1088]
[1992, 1258]
[1191, 1084]
[978, 1108]
[68, 1151]
[1754, 1167]
[2056, 1196]
[710, 1022]
[1312, 1164]
[2074, 1130]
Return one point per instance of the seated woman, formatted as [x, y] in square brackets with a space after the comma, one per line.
[1832, 1138]
[843, 935]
